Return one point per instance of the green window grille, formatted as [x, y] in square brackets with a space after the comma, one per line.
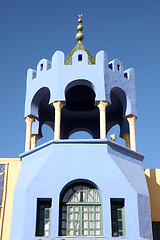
[118, 217]
[156, 230]
[43, 217]
[81, 212]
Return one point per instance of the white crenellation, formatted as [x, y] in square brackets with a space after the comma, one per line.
[31, 74]
[43, 66]
[129, 73]
[116, 65]
[55, 76]
[58, 58]
[34, 74]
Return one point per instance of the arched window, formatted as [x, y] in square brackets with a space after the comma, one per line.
[80, 213]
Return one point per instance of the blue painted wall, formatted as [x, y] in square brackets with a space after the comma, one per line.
[56, 76]
[116, 171]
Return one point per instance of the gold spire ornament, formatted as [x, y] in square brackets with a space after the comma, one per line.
[80, 35]
[79, 46]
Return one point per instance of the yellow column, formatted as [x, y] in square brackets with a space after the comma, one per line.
[29, 121]
[57, 124]
[34, 139]
[131, 121]
[102, 111]
[126, 137]
[3, 199]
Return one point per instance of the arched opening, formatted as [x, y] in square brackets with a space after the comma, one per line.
[47, 134]
[80, 135]
[79, 82]
[116, 112]
[80, 112]
[80, 211]
[80, 98]
[41, 109]
[42, 95]
[116, 130]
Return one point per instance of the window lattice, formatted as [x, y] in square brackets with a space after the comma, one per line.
[81, 212]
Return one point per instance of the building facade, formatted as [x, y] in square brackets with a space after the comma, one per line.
[84, 188]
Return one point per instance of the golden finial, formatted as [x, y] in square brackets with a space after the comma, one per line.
[79, 35]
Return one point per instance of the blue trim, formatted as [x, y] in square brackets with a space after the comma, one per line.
[83, 141]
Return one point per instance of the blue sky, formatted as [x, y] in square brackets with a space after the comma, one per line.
[35, 29]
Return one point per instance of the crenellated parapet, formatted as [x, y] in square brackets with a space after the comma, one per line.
[81, 86]
[103, 75]
[59, 75]
[123, 83]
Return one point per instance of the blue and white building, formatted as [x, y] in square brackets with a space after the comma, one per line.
[87, 188]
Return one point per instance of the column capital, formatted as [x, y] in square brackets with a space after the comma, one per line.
[126, 137]
[58, 105]
[102, 105]
[34, 138]
[29, 120]
[132, 119]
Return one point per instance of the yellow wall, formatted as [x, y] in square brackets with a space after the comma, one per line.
[153, 181]
[14, 165]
